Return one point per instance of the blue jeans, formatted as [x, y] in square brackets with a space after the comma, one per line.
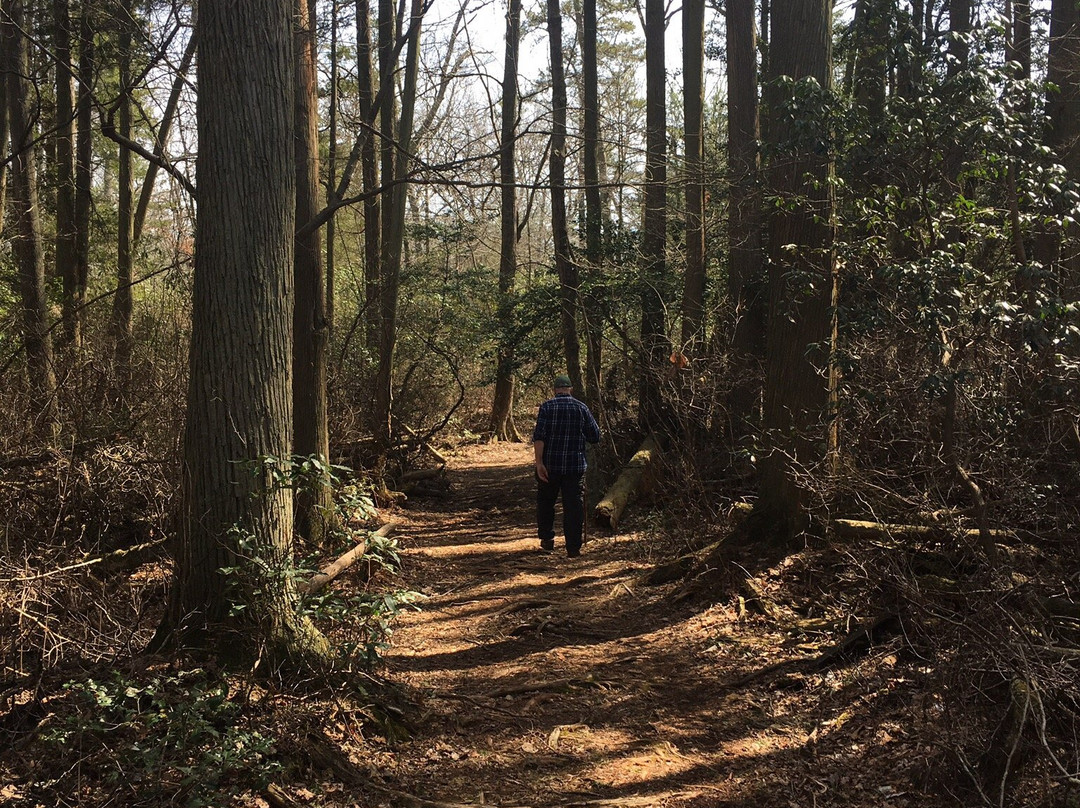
[570, 487]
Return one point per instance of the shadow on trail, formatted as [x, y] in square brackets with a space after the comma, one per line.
[551, 682]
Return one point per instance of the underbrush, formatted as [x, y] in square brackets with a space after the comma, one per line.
[86, 716]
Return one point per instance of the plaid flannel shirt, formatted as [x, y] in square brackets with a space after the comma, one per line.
[564, 424]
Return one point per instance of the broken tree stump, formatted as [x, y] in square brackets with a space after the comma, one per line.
[633, 476]
[342, 563]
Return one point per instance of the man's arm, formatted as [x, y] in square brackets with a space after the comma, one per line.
[538, 456]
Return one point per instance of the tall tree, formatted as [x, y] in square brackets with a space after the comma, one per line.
[654, 244]
[745, 281]
[959, 29]
[693, 306]
[594, 249]
[311, 438]
[1063, 114]
[564, 261]
[369, 172]
[397, 144]
[25, 214]
[123, 300]
[236, 529]
[502, 422]
[801, 269]
[65, 173]
[331, 163]
[84, 156]
[869, 67]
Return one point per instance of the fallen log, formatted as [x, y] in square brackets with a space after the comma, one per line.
[860, 529]
[419, 474]
[342, 563]
[630, 481]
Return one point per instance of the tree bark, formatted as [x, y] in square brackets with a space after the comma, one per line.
[801, 276]
[26, 219]
[564, 260]
[331, 168]
[959, 28]
[654, 345]
[693, 303]
[65, 174]
[369, 172]
[396, 158]
[123, 301]
[594, 250]
[314, 500]
[84, 156]
[236, 530]
[502, 421]
[1063, 113]
[745, 282]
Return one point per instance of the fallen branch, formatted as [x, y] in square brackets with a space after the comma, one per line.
[88, 562]
[630, 481]
[332, 571]
[416, 438]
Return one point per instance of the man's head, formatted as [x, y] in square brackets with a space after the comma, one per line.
[563, 384]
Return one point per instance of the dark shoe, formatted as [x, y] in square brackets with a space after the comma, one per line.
[572, 553]
[547, 546]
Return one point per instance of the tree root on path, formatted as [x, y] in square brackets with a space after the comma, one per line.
[558, 685]
[523, 605]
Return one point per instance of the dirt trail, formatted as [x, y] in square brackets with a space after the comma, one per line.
[548, 681]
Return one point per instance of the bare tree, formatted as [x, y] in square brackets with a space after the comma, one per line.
[564, 261]
[26, 217]
[502, 422]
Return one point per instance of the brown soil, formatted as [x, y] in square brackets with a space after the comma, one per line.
[548, 681]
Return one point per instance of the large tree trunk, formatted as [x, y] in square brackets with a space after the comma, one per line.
[25, 218]
[314, 501]
[801, 277]
[1063, 112]
[564, 262]
[65, 174]
[594, 250]
[238, 513]
[693, 303]
[502, 409]
[869, 72]
[745, 281]
[654, 343]
[959, 29]
[123, 301]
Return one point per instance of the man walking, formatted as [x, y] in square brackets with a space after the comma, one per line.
[563, 425]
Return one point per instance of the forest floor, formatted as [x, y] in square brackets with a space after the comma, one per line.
[547, 681]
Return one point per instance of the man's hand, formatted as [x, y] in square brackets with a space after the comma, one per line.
[538, 456]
